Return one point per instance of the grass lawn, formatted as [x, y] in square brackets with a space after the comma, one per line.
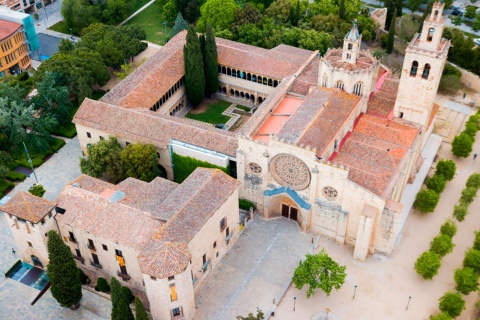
[136, 5]
[151, 20]
[243, 108]
[62, 27]
[213, 114]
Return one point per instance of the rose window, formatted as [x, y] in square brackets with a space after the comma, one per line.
[290, 171]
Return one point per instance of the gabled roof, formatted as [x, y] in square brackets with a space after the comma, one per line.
[165, 259]
[28, 207]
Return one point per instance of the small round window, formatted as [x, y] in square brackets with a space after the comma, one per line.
[255, 167]
[330, 193]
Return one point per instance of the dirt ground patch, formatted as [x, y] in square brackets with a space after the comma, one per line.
[202, 107]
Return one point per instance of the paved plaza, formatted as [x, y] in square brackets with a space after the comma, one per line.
[255, 272]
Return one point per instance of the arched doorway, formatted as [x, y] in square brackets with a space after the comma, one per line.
[289, 212]
[37, 262]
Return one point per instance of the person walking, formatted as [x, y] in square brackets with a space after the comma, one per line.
[13, 251]
[474, 156]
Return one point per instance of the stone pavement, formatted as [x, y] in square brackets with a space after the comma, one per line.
[60, 169]
[255, 272]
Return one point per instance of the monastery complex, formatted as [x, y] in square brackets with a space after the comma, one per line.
[331, 142]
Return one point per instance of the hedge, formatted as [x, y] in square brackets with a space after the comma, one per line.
[36, 156]
[244, 204]
[12, 268]
[4, 186]
[184, 166]
[16, 176]
[69, 131]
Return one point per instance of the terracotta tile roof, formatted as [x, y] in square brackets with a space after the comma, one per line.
[334, 58]
[276, 63]
[28, 207]
[87, 211]
[149, 127]
[382, 102]
[165, 259]
[149, 82]
[330, 120]
[193, 203]
[8, 28]
[307, 79]
[374, 152]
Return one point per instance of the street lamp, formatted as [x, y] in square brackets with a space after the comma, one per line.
[354, 290]
[410, 297]
[294, 299]
[165, 30]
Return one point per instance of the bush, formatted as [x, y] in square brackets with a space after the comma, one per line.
[426, 200]
[245, 204]
[462, 145]
[57, 144]
[449, 84]
[466, 280]
[449, 228]
[427, 264]
[37, 190]
[460, 211]
[127, 294]
[450, 70]
[452, 304]
[102, 285]
[473, 181]
[471, 129]
[440, 316]
[383, 40]
[16, 176]
[4, 186]
[442, 245]
[468, 194]
[446, 168]
[83, 277]
[69, 131]
[436, 183]
[472, 260]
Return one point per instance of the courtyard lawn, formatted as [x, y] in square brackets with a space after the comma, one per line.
[150, 20]
[238, 106]
[135, 5]
[62, 27]
[212, 114]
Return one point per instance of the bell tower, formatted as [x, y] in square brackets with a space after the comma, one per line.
[422, 69]
[351, 44]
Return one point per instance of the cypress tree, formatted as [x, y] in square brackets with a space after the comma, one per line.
[297, 13]
[399, 8]
[194, 72]
[66, 285]
[140, 312]
[390, 5]
[179, 25]
[391, 35]
[211, 62]
[341, 9]
[120, 307]
[192, 11]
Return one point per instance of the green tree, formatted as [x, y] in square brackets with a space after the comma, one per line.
[442, 245]
[140, 312]
[413, 5]
[457, 20]
[179, 25]
[3, 171]
[194, 69]
[319, 271]
[472, 260]
[170, 11]
[66, 46]
[104, 157]
[192, 11]
[137, 160]
[37, 190]
[460, 211]
[280, 10]
[66, 285]
[462, 145]
[398, 8]
[476, 243]
[391, 35]
[220, 14]
[427, 265]
[473, 181]
[115, 11]
[468, 195]
[470, 12]
[211, 62]
[466, 280]
[120, 308]
[249, 14]
[259, 316]
[367, 27]
[452, 304]
[341, 9]
[440, 316]
[446, 168]
[426, 200]
[450, 84]
[436, 183]
[449, 228]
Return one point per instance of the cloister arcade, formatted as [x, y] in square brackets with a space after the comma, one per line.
[248, 76]
[246, 95]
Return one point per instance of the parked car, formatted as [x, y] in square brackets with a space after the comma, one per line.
[476, 41]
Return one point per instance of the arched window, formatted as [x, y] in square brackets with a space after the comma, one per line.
[339, 84]
[224, 70]
[249, 77]
[430, 34]
[275, 83]
[325, 80]
[229, 71]
[234, 72]
[357, 88]
[270, 83]
[413, 70]
[426, 71]
[350, 46]
[260, 80]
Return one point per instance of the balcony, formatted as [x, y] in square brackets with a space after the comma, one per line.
[81, 259]
[125, 277]
[96, 265]
[204, 267]
[194, 280]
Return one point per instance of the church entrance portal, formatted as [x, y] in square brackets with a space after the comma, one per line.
[289, 212]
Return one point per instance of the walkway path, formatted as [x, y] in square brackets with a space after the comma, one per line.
[385, 283]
